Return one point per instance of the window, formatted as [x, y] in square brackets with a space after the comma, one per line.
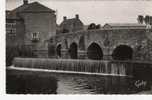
[35, 37]
[11, 29]
[11, 32]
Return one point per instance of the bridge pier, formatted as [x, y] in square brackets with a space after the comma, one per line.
[66, 55]
[81, 54]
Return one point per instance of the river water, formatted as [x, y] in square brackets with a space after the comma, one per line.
[84, 84]
[39, 82]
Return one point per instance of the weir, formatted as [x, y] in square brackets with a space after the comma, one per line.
[121, 68]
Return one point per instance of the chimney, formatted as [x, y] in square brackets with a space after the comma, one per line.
[25, 2]
[77, 16]
[64, 18]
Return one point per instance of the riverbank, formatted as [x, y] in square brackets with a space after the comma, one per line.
[29, 82]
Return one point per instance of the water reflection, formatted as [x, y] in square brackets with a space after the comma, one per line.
[49, 83]
[92, 85]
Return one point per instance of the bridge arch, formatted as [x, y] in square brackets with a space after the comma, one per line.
[73, 50]
[122, 52]
[94, 51]
[58, 50]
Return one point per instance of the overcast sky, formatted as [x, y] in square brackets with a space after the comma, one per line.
[99, 12]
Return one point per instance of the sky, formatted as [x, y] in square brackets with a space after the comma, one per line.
[95, 11]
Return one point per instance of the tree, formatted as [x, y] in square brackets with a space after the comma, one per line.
[98, 26]
[140, 19]
[92, 26]
[17, 51]
[147, 19]
[150, 20]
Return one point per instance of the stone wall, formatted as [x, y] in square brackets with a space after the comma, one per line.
[44, 24]
[16, 38]
[108, 40]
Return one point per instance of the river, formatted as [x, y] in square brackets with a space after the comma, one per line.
[42, 82]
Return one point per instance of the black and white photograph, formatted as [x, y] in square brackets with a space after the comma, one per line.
[68, 47]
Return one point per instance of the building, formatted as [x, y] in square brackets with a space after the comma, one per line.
[34, 25]
[71, 25]
[31, 24]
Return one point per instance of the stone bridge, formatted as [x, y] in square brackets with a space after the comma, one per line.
[118, 44]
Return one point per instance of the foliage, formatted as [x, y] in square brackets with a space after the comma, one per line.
[93, 26]
[17, 51]
[147, 19]
[140, 19]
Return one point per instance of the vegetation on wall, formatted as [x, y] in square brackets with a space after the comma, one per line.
[17, 51]
[143, 51]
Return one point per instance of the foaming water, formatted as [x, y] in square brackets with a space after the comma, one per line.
[86, 66]
[64, 72]
[77, 76]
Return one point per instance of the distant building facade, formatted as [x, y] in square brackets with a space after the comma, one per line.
[71, 25]
[31, 24]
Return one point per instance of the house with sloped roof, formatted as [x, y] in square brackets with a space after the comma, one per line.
[31, 24]
[71, 25]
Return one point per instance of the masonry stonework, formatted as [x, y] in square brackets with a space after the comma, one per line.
[34, 24]
[41, 23]
[109, 40]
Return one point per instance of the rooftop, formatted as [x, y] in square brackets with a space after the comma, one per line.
[70, 21]
[30, 7]
[124, 24]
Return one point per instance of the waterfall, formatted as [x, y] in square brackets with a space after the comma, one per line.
[114, 69]
[122, 69]
[91, 66]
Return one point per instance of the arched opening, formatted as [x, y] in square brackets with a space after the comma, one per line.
[94, 52]
[73, 51]
[122, 52]
[58, 50]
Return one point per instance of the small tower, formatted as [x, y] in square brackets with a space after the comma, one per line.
[64, 18]
[25, 2]
[77, 16]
